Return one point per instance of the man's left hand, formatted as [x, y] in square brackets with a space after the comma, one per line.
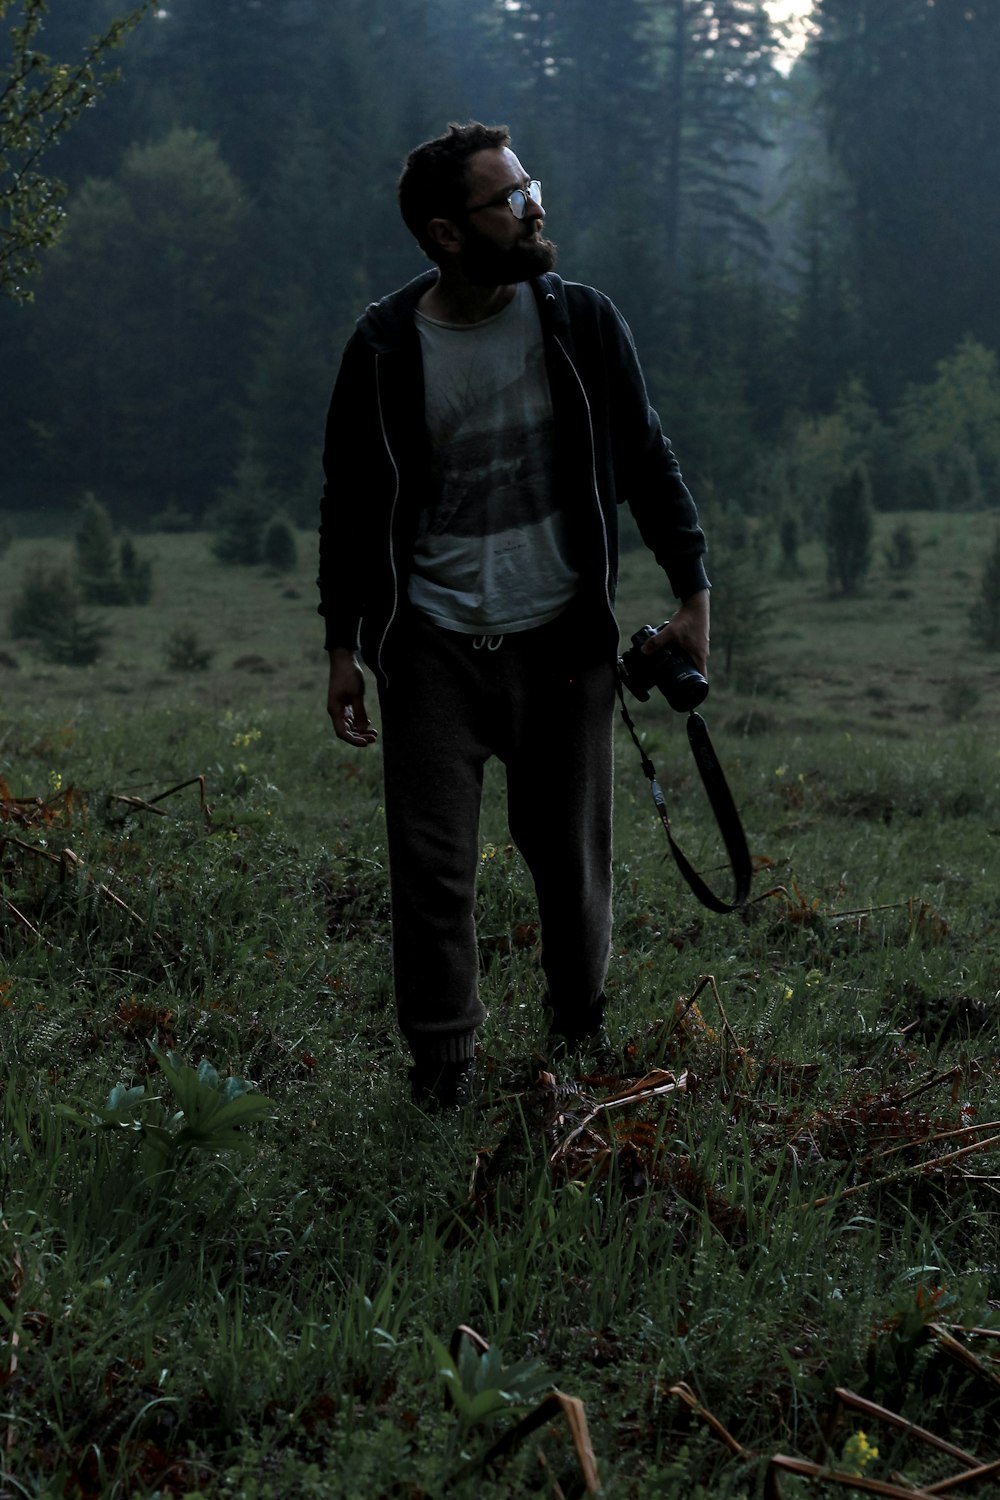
[688, 627]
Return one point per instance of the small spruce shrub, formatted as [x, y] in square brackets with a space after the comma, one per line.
[136, 573]
[73, 640]
[241, 515]
[96, 555]
[850, 523]
[184, 651]
[901, 553]
[741, 617]
[788, 538]
[238, 537]
[46, 610]
[108, 574]
[278, 549]
[47, 591]
[960, 698]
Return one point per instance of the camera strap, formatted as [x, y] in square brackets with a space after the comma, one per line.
[723, 806]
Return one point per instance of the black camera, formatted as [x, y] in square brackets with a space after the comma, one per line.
[670, 669]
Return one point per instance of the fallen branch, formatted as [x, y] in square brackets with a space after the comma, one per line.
[652, 1086]
[865, 911]
[556, 1404]
[931, 1082]
[141, 804]
[909, 1429]
[29, 849]
[73, 861]
[807, 1470]
[971, 1476]
[684, 1393]
[707, 981]
[963, 1355]
[10, 1295]
[67, 860]
[34, 812]
[917, 1169]
[943, 1135]
[20, 917]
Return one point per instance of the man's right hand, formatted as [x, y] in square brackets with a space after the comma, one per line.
[345, 700]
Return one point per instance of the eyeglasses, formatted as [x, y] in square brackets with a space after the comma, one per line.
[516, 200]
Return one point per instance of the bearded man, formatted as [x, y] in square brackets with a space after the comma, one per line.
[487, 420]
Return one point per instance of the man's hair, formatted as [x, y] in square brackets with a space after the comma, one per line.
[432, 185]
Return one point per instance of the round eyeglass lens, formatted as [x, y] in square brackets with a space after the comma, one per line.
[518, 199]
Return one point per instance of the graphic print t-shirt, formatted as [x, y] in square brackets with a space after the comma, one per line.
[491, 554]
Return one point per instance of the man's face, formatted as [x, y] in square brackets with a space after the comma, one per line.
[499, 249]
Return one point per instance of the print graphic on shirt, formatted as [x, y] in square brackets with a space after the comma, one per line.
[492, 551]
[489, 478]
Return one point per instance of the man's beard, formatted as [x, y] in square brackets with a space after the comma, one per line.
[487, 264]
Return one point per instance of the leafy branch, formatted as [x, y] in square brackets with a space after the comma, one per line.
[40, 100]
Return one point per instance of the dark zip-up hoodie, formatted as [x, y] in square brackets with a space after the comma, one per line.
[609, 449]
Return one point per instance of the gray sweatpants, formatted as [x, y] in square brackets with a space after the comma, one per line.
[542, 701]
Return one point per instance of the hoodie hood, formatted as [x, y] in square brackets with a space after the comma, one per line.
[389, 322]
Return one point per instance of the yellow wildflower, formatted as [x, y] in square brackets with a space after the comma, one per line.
[244, 738]
[858, 1452]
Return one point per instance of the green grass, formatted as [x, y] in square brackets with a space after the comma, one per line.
[223, 1327]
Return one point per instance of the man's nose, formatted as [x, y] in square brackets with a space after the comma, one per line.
[533, 210]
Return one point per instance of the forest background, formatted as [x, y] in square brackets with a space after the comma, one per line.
[806, 254]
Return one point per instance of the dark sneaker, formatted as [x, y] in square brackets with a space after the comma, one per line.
[592, 1047]
[576, 1023]
[580, 1033]
[436, 1084]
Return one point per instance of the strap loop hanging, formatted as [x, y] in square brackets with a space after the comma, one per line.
[723, 806]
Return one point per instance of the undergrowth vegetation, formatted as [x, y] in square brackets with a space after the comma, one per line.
[759, 1247]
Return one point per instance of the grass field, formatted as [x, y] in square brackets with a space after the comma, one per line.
[237, 1282]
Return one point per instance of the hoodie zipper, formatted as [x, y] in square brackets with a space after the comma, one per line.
[392, 523]
[595, 488]
[595, 492]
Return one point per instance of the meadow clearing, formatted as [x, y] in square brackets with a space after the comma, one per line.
[233, 1255]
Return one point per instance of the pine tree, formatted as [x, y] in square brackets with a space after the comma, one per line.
[96, 558]
[742, 617]
[136, 573]
[849, 526]
[47, 610]
[907, 82]
[278, 547]
[901, 553]
[242, 512]
[46, 591]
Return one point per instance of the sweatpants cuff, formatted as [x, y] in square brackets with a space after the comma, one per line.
[456, 1046]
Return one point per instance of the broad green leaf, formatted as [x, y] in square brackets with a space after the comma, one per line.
[486, 1404]
[121, 1096]
[207, 1075]
[246, 1107]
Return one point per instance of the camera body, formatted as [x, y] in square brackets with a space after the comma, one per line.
[670, 669]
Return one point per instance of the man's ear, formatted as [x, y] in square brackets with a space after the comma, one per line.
[446, 235]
